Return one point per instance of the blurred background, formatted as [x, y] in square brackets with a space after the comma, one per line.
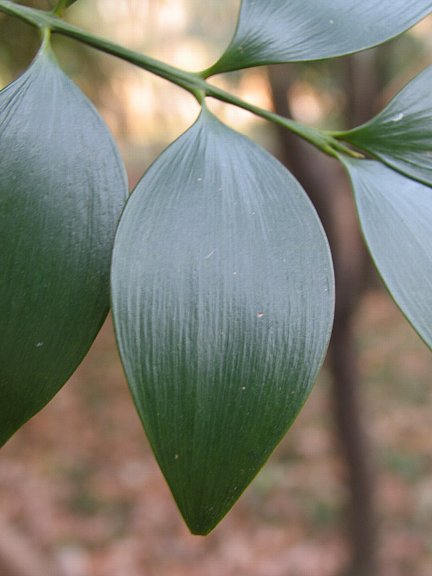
[349, 490]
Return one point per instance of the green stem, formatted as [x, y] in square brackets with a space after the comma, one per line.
[193, 82]
[46, 37]
[318, 138]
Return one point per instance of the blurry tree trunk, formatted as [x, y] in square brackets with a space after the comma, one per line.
[328, 189]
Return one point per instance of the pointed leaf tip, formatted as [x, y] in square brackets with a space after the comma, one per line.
[222, 293]
[62, 187]
[276, 31]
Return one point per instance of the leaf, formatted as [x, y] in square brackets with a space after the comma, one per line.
[61, 5]
[276, 31]
[222, 293]
[396, 217]
[401, 135]
[62, 187]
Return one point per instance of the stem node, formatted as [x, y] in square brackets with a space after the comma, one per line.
[195, 83]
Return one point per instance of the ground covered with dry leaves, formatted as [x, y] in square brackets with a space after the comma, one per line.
[80, 494]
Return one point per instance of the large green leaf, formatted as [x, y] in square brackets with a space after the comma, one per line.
[396, 216]
[275, 31]
[62, 187]
[401, 135]
[222, 293]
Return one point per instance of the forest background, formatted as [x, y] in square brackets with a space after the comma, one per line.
[349, 490]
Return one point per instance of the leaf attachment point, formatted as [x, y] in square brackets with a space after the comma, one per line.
[276, 31]
[62, 5]
[401, 135]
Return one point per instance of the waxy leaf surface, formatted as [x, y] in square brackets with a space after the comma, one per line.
[275, 31]
[62, 188]
[222, 293]
[401, 135]
[396, 217]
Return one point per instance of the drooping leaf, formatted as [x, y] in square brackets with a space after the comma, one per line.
[275, 31]
[401, 135]
[62, 187]
[396, 217]
[222, 293]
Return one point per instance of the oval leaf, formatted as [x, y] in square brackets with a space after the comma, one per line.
[401, 135]
[222, 293]
[276, 31]
[396, 217]
[62, 187]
